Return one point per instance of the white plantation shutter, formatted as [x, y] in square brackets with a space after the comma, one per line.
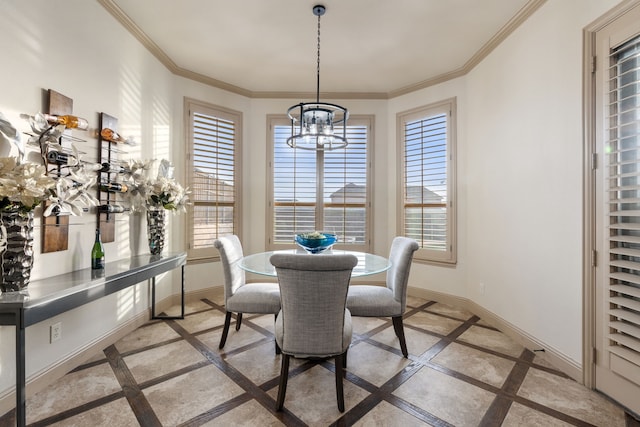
[428, 212]
[623, 147]
[326, 191]
[425, 190]
[214, 137]
[345, 188]
[295, 184]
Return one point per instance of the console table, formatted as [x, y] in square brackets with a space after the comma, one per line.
[51, 296]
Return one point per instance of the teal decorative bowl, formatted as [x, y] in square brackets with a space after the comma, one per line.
[316, 242]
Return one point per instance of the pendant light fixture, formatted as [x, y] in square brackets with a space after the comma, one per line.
[317, 120]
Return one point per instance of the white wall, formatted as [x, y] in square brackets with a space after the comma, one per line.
[524, 122]
[519, 163]
[525, 234]
[79, 50]
[521, 176]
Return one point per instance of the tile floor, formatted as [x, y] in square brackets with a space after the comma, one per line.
[460, 372]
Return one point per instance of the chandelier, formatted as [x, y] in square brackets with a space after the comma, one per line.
[316, 120]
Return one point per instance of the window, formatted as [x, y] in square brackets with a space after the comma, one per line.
[317, 190]
[214, 140]
[427, 190]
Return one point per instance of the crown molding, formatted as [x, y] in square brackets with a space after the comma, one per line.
[210, 80]
[504, 32]
[523, 14]
[155, 50]
[135, 31]
[426, 83]
[323, 95]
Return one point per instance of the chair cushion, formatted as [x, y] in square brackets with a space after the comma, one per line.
[346, 337]
[255, 298]
[372, 301]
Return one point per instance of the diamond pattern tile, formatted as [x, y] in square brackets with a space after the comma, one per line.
[460, 372]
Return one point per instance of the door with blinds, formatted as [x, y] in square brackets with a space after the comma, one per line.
[617, 203]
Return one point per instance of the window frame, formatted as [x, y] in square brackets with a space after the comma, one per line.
[191, 106]
[354, 120]
[447, 257]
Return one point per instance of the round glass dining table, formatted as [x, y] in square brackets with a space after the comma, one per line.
[259, 263]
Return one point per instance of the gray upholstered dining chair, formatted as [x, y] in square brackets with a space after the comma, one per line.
[313, 321]
[239, 296]
[389, 301]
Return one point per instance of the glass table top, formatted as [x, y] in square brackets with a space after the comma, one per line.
[367, 263]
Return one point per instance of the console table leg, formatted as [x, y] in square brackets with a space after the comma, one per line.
[21, 401]
[182, 289]
[153, 298]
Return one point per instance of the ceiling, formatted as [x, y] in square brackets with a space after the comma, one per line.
[369, 49]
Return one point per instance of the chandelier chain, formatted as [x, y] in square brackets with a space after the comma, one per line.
[318, 65]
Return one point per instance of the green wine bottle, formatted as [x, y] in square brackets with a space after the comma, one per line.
[97, 253]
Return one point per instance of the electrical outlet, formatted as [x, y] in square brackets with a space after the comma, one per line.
[481, 288]
[55, 332]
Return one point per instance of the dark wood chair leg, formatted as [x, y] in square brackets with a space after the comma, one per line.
[339, 360]
[344, 364]
[278, 351]
[238, 321]
[225, 330]
[284, 376]
[397, 326]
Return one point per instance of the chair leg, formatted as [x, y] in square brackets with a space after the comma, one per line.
[225, 330]
[278, 351]
[344, 364]
[284, 376]
[339, 360]
[397, 326]
[238, 321]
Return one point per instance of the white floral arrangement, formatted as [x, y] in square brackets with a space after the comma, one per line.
[161, 192]
[167, 193]
[24, 185]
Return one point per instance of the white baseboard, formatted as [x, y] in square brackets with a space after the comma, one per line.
[550, 354]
